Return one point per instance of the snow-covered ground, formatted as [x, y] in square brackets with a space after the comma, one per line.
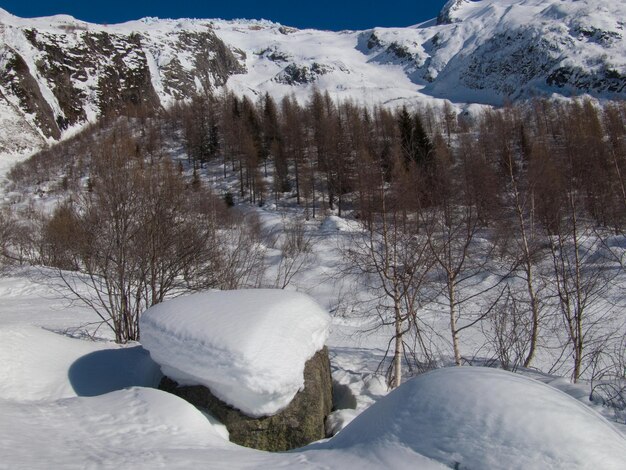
[70, 401]
[75, 403]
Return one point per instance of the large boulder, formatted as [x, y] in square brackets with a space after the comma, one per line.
[253, 358]
[300, 423]
[249, 347]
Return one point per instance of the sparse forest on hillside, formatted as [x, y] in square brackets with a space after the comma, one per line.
[510, 222]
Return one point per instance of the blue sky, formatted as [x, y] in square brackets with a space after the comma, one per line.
[323, 14]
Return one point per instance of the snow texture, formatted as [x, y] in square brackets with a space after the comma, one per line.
[249, 347]
[67, 367]
[471, 417]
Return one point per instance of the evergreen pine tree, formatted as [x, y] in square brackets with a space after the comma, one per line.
[415, 143]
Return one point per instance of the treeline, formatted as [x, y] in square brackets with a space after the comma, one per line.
[286, 149]
[323, 153]
[318, 152]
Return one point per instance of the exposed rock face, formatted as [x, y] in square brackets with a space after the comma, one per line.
[16, 78]
[446, 14]
[299, 424]
[295, 74]
[62, 76]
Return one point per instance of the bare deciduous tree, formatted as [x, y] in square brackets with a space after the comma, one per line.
[295, 252]
[136, 237]
[393, 257]
[451, 226]
[240, 258]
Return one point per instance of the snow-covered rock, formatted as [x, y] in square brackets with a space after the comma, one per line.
[300, 423]
[249, 347]
[470, 417]
[446, 15]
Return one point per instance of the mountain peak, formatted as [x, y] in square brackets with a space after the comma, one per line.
[5, 14]
[447, 13]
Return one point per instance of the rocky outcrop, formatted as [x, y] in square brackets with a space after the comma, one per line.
[66, 76]
[446, 15]
[576, 78]
[17, 79]
[295, 74]
[299, 424]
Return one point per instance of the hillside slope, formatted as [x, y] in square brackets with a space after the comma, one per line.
[57, 73]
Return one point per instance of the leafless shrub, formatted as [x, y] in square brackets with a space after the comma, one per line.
[136, 238]
[509, 331]
[295, 251]
[608, 384]
[240, 261]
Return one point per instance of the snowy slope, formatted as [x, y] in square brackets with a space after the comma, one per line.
[489, 51]
[57, 73]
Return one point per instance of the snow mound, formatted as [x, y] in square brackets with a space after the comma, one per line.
[142, 428]
[249, 347]
[490, 419]
[67, 367]
[133, 428]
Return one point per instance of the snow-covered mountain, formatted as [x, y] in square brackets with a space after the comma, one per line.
[57, 73]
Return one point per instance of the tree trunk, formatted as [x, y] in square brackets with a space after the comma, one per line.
[453, 326]
[398, 350]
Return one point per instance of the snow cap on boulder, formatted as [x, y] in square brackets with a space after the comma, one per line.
[249, 347]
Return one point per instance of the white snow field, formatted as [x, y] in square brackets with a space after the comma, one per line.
[76, 403]
[248, 346]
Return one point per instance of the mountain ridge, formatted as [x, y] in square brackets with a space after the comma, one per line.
[58, 73]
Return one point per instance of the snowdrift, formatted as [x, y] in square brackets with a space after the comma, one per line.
[37, 365]
[472, 418]
[465, 418]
